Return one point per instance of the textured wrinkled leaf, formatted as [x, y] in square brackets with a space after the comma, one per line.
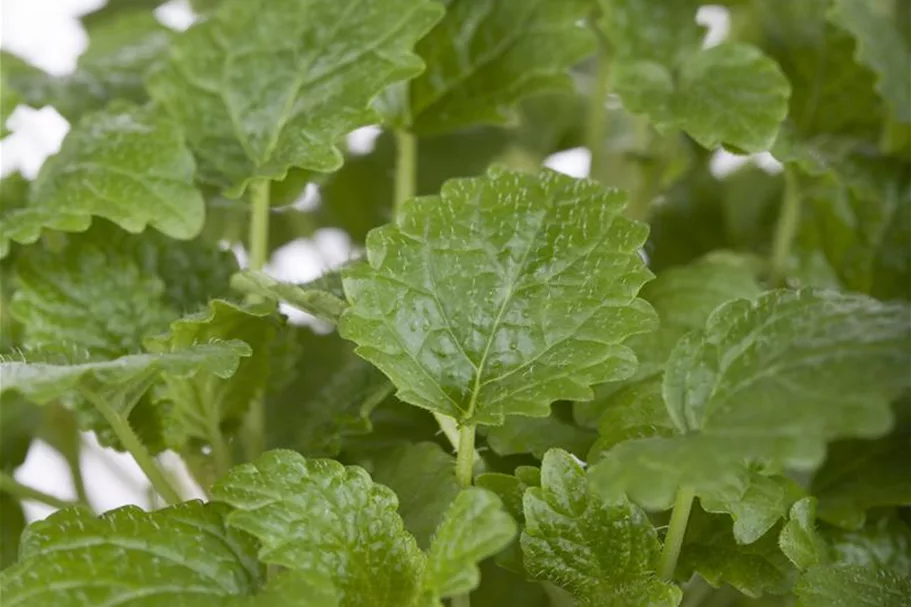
[330, 397]
[474, 527]
[423, 477]
[861, 475]
[500, 296]
[536, 435]
[254, 110]
[126, 164]
[317, 515]
[91, 293]
[44, 376]
[799, 539]
[603, 554]
[774, 379]
[204, 401]
[730, 95]
[666, 33]
[881, 46]
[122, 48]
[485, 56]
[67, 294]
[317, 299]
[852, 586]
[710, 550]
[184, 555]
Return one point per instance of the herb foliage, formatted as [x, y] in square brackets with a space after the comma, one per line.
[658, 386]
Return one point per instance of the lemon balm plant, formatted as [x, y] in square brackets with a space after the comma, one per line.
[658, 386]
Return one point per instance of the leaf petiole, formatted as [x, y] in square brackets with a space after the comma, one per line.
[465, 455]
[134, 445]
[785, 229]
[405, 166]
[673, 541]
[255, 423]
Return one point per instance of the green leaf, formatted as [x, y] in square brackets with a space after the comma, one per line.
[314, 298]
[830, 92]
[65, 294]
[45, 376]
[852, 586]
[799, 539]
[485, 56]
[885, 542]
[91, 293]
[500, 296]
[122, 48]
[184, 555]
[710, 550]
[765, 501]
[880, 46]
[604, 554]
[729, 95]
[19, 421]
[511, 489]
[330, 397]
[665, 34]
[126, 164]
[536, 435]
[317, 515]
[253, 111]
[22, 83]
[474, 528]
[12, 523]
[862, 474]
[423, 477]
[634, 411]
[774, 379]
[501, 587]
[203, 402]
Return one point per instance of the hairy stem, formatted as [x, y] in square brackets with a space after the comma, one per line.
[785, 229]
[673, 541]
[140, 454]
[465, 456]
[10, 485]
[406, 167]
[596, 120]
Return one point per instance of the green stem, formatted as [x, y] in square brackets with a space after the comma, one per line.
[450, 428]
[140, 454]
[221, 452]
[673, 541]
[10, 485]
[255, 422]
[596, 121]
[259, 224]
[406, 167]
[464, 475]
[786, 229]
[465, 456]
[463, 600]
